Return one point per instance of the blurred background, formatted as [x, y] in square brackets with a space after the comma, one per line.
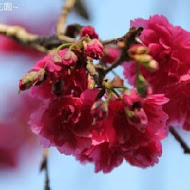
[20, 152]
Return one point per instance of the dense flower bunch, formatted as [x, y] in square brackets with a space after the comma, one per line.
[97, 120]
[170, 46]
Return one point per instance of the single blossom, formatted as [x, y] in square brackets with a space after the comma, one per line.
[65, 122]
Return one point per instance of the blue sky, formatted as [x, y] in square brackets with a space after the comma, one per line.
[111, 19]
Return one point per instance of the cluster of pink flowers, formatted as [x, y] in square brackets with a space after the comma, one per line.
[134, 137]
[120, 123]
[170, 46]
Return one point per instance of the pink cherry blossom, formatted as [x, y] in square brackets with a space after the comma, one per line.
[115, 138]
[65, 123]
[169, 45]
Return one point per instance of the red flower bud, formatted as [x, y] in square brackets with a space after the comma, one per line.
[94, 49]
[88, 31]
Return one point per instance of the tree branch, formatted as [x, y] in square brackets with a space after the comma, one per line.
[69, 4]
[112, 41]
[17, 31]
[132, 34]
[47, 43]
[184, 146]
[40, 43]
[21, 35]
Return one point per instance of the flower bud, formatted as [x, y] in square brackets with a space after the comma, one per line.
[94, 49]
[140, 55]
[31, 79]
[138, 50]
[153, 64]
[143, 58]
[69, 58]
[89, 32]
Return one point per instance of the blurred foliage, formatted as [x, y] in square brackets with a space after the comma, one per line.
[81, 9]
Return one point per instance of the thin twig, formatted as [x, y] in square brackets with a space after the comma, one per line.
[128, 40]
[116, 40]
[112, 41]
[69, 4]
[185, 147]
[117, 63]
[114, 73]
[18, 32]
[44, 166]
